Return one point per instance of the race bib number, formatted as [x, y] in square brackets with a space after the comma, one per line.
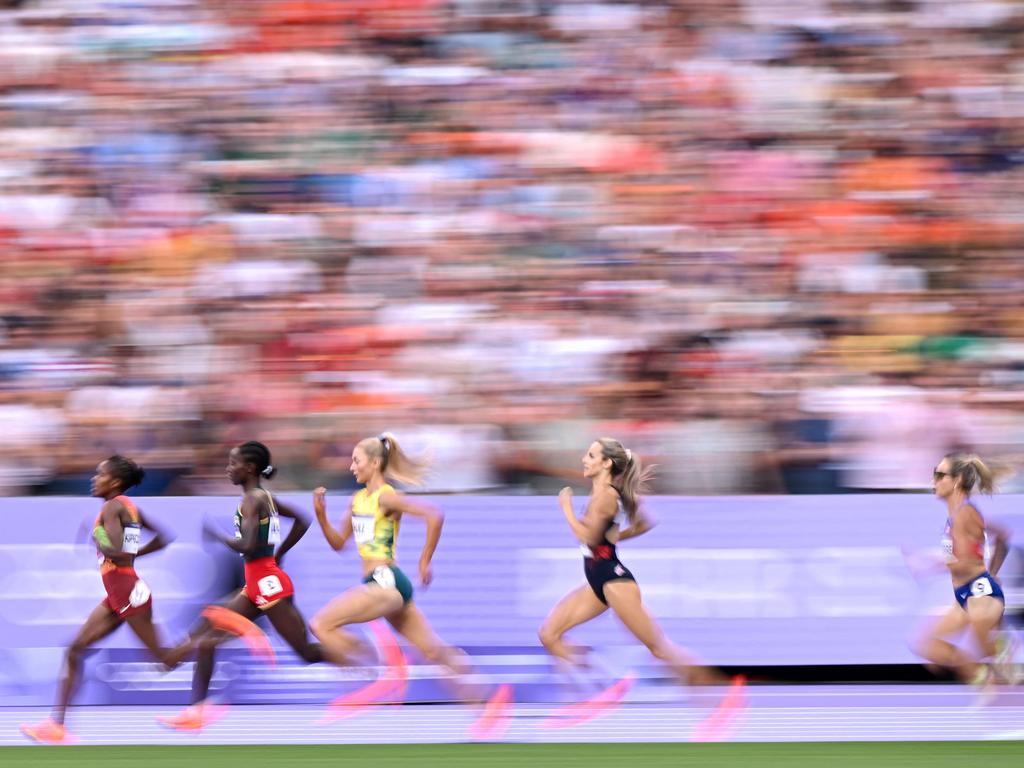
[384, 577]
[130, 543]
[981, 587]
[362, 529]
[140, 594]
[269, 586]
[947, 549]
[274, 533]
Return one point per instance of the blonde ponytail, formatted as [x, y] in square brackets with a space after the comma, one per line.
[972, 471]
[395, 464]
[629, 475]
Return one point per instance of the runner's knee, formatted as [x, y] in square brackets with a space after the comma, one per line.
[548, 636]
[320, 628]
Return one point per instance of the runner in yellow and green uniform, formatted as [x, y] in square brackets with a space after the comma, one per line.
[373, 520]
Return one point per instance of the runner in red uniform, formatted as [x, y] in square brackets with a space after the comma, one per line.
[117, 533]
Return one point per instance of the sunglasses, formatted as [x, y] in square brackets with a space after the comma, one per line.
[936, 475]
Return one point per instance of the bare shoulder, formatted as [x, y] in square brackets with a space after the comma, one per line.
[605, 502]
[968, 516]
[254, 500]
[113, 508]
[969, 512]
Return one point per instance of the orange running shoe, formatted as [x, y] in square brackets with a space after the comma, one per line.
[236, 624]
[48, 732]
[195, 717]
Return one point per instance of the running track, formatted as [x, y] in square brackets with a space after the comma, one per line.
[772, 713]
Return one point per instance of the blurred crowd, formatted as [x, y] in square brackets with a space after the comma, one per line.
[771, 245]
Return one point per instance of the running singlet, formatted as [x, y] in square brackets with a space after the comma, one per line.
[375, 534]
[127, 594]
[130, 541]
[606, 550]
[977, 548]
[601, 562]
[265, 583]
[269, 535]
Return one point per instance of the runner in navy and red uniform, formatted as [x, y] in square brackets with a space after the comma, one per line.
[117, 533]
[268, 589]
[613, 515]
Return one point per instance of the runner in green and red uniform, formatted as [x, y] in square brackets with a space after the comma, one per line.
[268, 589]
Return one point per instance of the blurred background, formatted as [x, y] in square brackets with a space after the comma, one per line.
[772, 246]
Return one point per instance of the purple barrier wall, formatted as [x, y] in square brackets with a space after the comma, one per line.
[738, 580]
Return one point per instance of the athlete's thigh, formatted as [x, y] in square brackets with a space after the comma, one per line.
[952, 621]
[358, 605]
[624, 599]
[143, 627]
[288, 621]
[578, 607]
[100, 623]
[241, 604]
[984, 614]
[411, 624]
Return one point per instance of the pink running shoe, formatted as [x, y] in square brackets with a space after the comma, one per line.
[496, 717]
[717, 725]
[597, 705]
[388, 688]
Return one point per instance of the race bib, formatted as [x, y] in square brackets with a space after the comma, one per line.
[981, 587]
[947, 549]
[130, 543]
[274, 533]
[269, 586]
[362, 529]
[384, 576]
